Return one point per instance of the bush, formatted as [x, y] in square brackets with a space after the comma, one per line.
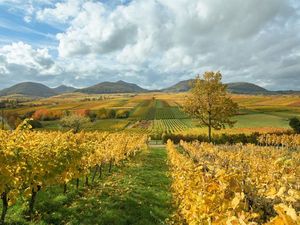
[122, 114]
[27, 115]
[74, 122]
[102, 114]
[47, 115]
[35, 124]
[216, 139]
[295, 124]
[82, 112]
[111, 114]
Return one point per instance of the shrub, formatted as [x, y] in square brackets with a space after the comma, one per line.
[82, 112]
[35, 124]
[295, 124]
[74, 122]
[121, 114]
[217, 139]
[102, 114]
[111, 114]
[46, 115]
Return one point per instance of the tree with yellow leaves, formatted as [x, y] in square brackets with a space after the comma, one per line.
[209, 102]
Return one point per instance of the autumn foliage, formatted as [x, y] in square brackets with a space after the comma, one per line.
[46, 114]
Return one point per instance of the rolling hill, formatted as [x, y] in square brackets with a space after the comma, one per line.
[113, 87]
[246, 88]
[29, 89]
[64, 89]
[236, 87]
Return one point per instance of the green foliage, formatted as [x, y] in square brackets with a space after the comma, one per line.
[35, 124]
[111, 114]
[295, 124]
[74, 122]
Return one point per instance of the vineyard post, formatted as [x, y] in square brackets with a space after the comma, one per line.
[77, 183]
[65, 188]
[4, 207]
[110, 166]
[100, 171]
[32, 201]
[86, 180]
[95, 172]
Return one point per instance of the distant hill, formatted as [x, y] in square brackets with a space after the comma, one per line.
[64, 89]
[236, 87]
[29, 89]
[179, 87]
[113, 87]
[246, 88]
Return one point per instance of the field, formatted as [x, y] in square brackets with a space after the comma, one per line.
[110, 173]
[158, 113]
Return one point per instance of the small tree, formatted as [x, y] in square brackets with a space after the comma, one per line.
[295, 124]
[74, 122]
[209, 102]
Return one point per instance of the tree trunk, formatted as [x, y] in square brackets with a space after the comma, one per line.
[209, 133]
[86, 180]
[4, 207]
[100, 171]
[77, 183]
[209, 127]
[32, 201]
[110, 166]
[65, 188]
[95, 172]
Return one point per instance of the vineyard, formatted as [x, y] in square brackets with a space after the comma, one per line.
[235, 184]
[31, 161]
[162, 117]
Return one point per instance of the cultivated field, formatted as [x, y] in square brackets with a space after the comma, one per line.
[157, 113]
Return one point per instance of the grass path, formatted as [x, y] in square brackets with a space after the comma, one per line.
[135, 193]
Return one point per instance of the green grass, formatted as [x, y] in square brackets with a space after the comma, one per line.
[261, 120]
[135, 193]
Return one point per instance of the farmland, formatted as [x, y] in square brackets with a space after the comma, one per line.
[158, 113]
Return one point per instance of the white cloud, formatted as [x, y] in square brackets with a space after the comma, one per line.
[61, 12]
[20, 62]
[158, 42]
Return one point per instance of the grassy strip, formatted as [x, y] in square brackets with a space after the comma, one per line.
[137, 193]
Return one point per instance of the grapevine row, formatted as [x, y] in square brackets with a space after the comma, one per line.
[32, 160]
[235, 184]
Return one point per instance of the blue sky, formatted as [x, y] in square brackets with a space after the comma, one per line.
[154, 43]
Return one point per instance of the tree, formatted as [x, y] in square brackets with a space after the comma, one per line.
[295, 124]
[209, 102]
[111, 114]
[73, 122]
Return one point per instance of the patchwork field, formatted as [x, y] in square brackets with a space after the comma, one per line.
[158, 113]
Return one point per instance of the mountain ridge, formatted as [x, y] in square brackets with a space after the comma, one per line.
[40, 90]
[108, 87]
[31, 89]
[233, 87]
[64, 89]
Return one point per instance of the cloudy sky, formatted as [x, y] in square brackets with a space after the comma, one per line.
[154, 43]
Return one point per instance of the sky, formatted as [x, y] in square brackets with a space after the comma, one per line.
[153, 43]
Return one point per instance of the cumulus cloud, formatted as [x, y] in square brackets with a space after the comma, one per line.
[20, 62]
[159, 42]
